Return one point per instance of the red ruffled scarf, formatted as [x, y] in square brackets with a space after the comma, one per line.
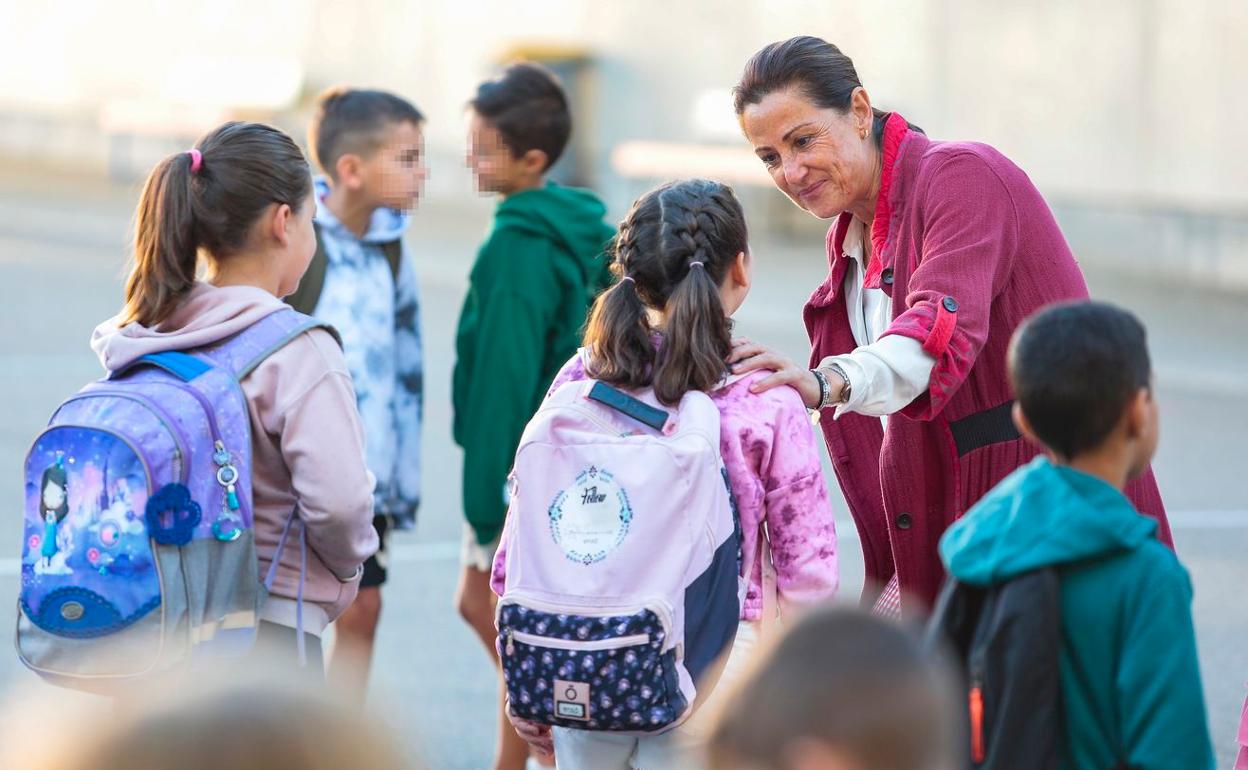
[895, 130]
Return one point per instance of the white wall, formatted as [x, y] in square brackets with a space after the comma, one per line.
[1128, 106]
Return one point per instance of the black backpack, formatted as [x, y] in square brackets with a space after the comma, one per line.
[1007, 639]
[309, 292]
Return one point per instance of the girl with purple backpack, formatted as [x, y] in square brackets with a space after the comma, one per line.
[242, 199]
[665, 329]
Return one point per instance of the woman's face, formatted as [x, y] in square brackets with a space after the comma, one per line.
[823, 159]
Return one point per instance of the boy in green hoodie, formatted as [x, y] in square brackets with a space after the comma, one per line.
[1130, 679]
[533, 282]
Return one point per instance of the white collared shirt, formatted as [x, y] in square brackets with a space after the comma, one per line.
[885, 374]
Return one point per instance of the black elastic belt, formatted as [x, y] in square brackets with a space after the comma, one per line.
[991, 426]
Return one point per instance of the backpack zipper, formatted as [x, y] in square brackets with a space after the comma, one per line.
[217, 439]
[976, 706]
[657, 606]
[533, 640]
[179, 443]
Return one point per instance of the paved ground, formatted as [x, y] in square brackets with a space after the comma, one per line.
[62, 248]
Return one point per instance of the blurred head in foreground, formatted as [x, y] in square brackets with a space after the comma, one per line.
[197, 724]
[841, 690]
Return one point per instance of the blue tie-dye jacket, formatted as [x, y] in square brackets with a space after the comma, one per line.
[379, 320]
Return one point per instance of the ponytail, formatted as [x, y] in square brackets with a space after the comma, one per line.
[165, 244]
[675, 248]
[698, 339]
[207, 199]
[619, 337]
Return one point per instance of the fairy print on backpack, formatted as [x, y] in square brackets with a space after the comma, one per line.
[138, 549]
[85, 536]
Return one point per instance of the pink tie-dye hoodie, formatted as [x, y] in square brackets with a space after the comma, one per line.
[769, 450]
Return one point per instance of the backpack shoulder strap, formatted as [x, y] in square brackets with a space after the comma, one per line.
[1007, 641]
[243, 352]
[308, 294]
[394, 257]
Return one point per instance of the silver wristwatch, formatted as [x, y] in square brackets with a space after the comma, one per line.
[845, 378]
[825, 390]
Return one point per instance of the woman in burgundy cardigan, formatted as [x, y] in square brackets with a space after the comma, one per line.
[938, 251]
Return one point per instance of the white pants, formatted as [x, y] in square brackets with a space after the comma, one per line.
[679, 749]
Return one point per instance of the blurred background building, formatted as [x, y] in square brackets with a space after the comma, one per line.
[1127, 113]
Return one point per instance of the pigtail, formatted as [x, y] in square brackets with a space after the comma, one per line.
[165, 243]
[618, 334]
[699, 335]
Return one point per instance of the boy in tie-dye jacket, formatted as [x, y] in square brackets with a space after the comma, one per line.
[683, 260]
[370, 146]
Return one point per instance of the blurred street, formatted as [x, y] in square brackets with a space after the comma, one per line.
[62, 254]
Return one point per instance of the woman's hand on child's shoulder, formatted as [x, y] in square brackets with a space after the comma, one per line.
[747, 356]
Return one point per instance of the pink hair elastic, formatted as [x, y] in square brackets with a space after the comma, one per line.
[197, 160]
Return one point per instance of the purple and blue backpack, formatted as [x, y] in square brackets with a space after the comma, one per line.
[139, 551]
[623, 584]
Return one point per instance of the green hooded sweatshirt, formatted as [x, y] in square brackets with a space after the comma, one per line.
[1130, 679]
[533, 282]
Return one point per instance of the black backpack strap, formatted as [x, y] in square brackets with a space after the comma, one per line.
[306, 297]
[309, 292]
[394, 256]
[1016, 658]
[1007, 640]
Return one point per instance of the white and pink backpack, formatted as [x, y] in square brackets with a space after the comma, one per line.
[623, 581]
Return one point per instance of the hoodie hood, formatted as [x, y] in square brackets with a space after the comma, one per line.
[385, 226]
[208, 315]
[569, 217]
[1042, 515]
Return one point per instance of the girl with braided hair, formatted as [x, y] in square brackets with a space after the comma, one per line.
[684, 268]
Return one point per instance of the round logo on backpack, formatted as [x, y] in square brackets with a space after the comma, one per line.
[590, 518]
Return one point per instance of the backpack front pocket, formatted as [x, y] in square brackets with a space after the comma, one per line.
[591, 672]
[88, 569]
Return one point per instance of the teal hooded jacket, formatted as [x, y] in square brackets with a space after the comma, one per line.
[1130, 678]
[530, 289]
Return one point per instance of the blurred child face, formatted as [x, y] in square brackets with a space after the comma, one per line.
[494, 166]
[395, 174]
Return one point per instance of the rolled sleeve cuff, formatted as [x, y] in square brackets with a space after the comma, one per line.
[885, 376]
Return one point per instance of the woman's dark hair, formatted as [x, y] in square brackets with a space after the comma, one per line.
[1074, 368]
[243, 169]
[855, 683]
[665, 233]
[825, 76]
[55, 474]
[528, 107]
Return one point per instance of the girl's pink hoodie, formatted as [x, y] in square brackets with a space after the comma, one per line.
[770, 453]
[308, 445]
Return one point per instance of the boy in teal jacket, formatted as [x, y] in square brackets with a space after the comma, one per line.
[533, 282]
[1130, 680]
